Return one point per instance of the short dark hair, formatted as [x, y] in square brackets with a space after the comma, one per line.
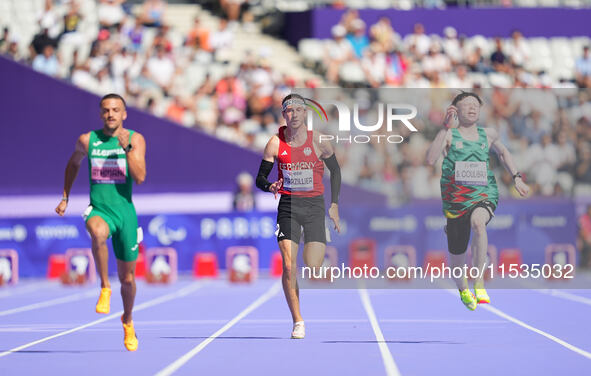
[293, 96]
[113, 96]
[463, 95]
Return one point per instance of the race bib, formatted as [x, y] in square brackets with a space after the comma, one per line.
[108, 171]
[298, 180]
[471, 173]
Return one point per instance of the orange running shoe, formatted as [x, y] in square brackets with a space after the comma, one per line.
[104, 302]
[129, 339]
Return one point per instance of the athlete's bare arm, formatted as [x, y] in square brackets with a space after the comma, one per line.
[269, 155]
[442, 141]
[80, 151]
[136, 157]
[271, 149]
[506, 159]
[325, 148]
[439, 146]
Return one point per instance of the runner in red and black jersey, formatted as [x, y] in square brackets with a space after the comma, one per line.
[300, 160]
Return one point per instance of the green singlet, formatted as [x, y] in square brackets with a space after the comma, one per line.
[110, 193]
[466, 178]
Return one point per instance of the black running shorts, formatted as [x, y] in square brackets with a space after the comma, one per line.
[458, 229]
[293, 213]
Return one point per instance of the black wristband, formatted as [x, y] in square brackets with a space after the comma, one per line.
[335, 178]
[264, 170]
[517, 175]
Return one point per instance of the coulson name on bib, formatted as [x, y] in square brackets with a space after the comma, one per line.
[108, 171]
[471, 173]
[298, 180]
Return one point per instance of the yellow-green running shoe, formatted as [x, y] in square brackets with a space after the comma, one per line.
[468, 299]
[481, 296]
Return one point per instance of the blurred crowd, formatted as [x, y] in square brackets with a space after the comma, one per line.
[421, 60]
[547, 131]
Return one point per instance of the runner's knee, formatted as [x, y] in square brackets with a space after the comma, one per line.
[99, 232]
[127, 278]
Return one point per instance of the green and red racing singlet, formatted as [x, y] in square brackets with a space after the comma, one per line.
[466, 177]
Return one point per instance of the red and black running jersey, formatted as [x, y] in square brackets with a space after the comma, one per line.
[300, 168]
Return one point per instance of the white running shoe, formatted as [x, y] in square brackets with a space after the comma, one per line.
[299, 330]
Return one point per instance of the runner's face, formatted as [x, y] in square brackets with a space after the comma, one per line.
[468, 110]
[113, 113]
[295, 115]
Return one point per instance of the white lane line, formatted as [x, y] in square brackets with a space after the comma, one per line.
[150, 303]
[49, 303]
[33, 286]
[389, 364]
[318, 321]
[566, 295]
[174, 366]
[502, 314]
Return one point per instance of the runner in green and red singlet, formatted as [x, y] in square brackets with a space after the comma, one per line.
[116, 158]
[468, 186]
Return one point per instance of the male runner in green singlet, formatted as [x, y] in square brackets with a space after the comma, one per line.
[468, 186]
[115, 156]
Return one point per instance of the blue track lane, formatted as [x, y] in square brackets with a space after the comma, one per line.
[426, 331]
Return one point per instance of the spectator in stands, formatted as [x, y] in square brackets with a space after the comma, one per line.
[39, 42]
[162, 40]
[583, 169]
[176, 110]
[460, 80]
[435, 61]
[584, 239]
[232, 8]
[261, 84]
[348, 18]
[476, 62]
[135, 35]
[565, 162]
[451, 45]
[359, 41]
[13, 51]
[161, 68]
[583, 69]
[498, 58]
[223, 37]
[72, 19]
[49, 19]
[98, 58]
[152, 13]
[121, 62]
[416, 79]
[144, 82]
[110, 13]
[244, 198]
[383, 34]
[47, 62]
[336, 52]
[5, 40]
[396, 69]
[82, 77]
[205, 106]
[517, 49]
[536, 127]
[374, 65]
[418, 40]
[231, 97]
[105, 83]
[198, 35]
